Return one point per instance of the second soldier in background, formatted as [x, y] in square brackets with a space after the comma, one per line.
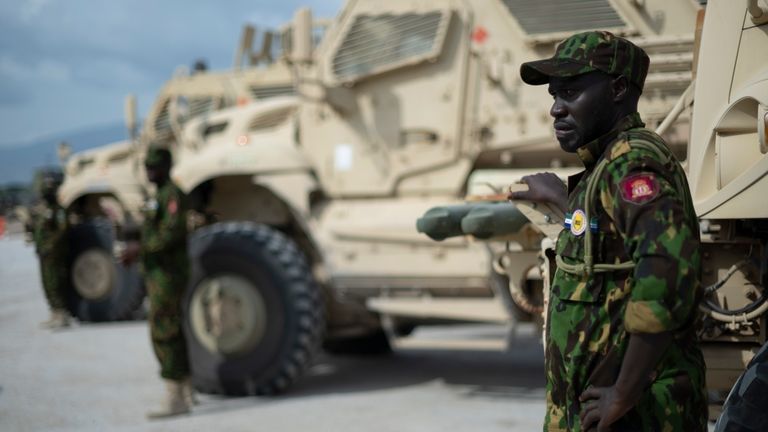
[49, 230]
[163, 251]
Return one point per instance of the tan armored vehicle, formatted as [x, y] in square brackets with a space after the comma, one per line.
[727, 165]
[104, 188]
[314, 196]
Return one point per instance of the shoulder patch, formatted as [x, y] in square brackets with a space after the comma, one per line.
[639, 188]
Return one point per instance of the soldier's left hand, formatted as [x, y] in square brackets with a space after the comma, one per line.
[602, 406]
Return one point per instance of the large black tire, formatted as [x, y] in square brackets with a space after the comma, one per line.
[123, 291]
[276, 271]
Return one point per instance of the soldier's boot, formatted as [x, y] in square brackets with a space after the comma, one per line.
[190, 395]
[174, 403]
[59, 319]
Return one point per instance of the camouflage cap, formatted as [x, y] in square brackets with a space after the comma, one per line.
[157, 156]
[587, 52]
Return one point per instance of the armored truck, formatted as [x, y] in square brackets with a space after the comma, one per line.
[727, 166]
[310, 200]
[104, 188]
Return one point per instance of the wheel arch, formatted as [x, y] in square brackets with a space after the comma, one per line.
[282, 200]
[121, 208]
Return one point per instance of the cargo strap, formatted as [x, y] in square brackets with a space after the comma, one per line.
[588, 266]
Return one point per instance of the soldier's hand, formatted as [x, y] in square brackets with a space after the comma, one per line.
[131, 253]
[545, 188]
[602, 406]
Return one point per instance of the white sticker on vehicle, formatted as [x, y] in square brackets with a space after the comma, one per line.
[343, 157]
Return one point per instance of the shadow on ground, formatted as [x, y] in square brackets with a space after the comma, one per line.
[486, 373]
[489, 375]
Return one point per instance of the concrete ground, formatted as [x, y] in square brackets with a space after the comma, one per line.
[104, 377]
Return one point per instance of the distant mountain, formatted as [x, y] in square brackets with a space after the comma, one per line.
[18, 162]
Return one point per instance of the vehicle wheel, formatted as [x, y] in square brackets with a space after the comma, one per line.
[500, 287]
[253, 315]
[375, 343]
[100, 288]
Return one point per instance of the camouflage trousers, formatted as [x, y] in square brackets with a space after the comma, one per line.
[659, 409]
[673, 402]
[53, 271]
[165, 293]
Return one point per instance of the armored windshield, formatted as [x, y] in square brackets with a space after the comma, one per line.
[558, 16]
[377, 43]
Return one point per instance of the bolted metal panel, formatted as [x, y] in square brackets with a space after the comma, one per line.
[163, 120]
[261, 92]
[193, 106]
[553, 16]
[199, 106]
[382, 42]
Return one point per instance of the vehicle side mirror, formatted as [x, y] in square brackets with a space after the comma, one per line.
[302, 41]
[130, 115]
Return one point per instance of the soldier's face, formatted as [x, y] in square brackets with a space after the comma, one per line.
[583, 108]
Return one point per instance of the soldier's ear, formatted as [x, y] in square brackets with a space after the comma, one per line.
[620, 86]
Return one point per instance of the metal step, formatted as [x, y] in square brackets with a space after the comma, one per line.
[460, 309]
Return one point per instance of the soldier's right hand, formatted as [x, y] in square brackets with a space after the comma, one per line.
[544, 188]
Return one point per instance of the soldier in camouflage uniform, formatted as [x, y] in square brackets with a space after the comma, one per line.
[163, 251]
[621, 350]
[49, 231]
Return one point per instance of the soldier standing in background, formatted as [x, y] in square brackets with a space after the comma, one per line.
[49, 227]
[621, 350]
[163, 251]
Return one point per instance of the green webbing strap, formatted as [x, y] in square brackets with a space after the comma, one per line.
[588, 267]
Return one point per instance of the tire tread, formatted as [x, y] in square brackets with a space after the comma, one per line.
[306, 302]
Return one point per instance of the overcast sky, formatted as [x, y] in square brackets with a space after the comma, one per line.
[68, 64]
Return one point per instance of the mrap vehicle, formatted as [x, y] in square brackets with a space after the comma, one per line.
[309, 201]
[105, 188]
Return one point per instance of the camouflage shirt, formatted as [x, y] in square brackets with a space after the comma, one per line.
[642, 213]
[49, 228]
[164, 234]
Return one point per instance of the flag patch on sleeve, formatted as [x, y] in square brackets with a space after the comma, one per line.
[639, 188]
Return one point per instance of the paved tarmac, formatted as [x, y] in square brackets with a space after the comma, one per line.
[103, 377]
